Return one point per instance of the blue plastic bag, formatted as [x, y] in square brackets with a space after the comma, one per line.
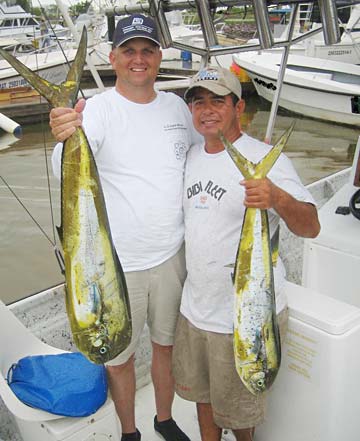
[65, 384]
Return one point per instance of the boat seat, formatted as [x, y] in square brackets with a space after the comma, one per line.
[16, 341]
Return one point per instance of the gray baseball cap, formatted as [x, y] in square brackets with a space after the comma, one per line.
[218, 80]
[135, 26]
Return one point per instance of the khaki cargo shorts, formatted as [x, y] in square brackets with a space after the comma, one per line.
[155, 296]
[204, 371]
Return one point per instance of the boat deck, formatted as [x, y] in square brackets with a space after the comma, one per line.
[184, 413]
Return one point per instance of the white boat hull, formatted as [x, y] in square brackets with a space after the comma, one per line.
[309, 102]
[343, 53]
[313, 93]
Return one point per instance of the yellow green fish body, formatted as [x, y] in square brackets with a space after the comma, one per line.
[257, 348]
[96, 294]
[97, 298]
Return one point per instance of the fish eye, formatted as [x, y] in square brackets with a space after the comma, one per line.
[103, 350]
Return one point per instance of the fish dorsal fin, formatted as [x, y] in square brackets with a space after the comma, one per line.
[256, 171]
[64, 94]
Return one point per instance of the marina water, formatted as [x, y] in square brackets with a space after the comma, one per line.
[27, 260]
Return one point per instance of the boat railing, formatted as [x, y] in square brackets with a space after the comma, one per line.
[352, 29]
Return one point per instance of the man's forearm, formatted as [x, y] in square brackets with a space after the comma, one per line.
[300, 217]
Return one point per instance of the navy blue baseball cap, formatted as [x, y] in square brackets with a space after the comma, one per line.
[135, 26]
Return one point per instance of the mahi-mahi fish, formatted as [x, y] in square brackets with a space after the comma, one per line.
[257, 347]
[97, 300]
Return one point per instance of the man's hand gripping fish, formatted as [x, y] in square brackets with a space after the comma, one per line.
[96, 294]
[257, 346]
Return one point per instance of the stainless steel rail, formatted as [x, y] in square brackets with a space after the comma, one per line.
[206, 9]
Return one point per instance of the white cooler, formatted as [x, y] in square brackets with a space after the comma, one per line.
[316, 396]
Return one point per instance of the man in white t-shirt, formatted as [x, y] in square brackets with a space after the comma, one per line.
[215, 198]
[140, 138]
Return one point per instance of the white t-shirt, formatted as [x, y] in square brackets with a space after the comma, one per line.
[214, 212]
[140, 152]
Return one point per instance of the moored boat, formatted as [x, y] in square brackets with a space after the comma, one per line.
[347, 50]
[313, 87]
[52, 66]
[44, 315]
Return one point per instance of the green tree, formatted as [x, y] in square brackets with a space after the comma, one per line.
[79, 8]
[25, 4]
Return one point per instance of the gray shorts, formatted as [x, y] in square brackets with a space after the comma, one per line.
[155, 296]
[204, 371]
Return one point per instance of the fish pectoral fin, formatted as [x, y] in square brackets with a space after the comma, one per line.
[256, 349]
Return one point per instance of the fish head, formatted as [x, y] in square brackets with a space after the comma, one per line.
[100, 346]
[95, 343]
[261, 381]
[257, 383]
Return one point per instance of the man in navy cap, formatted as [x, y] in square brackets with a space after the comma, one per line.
[139, 138]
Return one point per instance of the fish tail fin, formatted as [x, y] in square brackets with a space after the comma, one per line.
[264, 166]
[246, 167]
[57, 95]
[41, 85]
[72, 82]
[256, 171]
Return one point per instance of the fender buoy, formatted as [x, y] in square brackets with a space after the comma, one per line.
[10, 126]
